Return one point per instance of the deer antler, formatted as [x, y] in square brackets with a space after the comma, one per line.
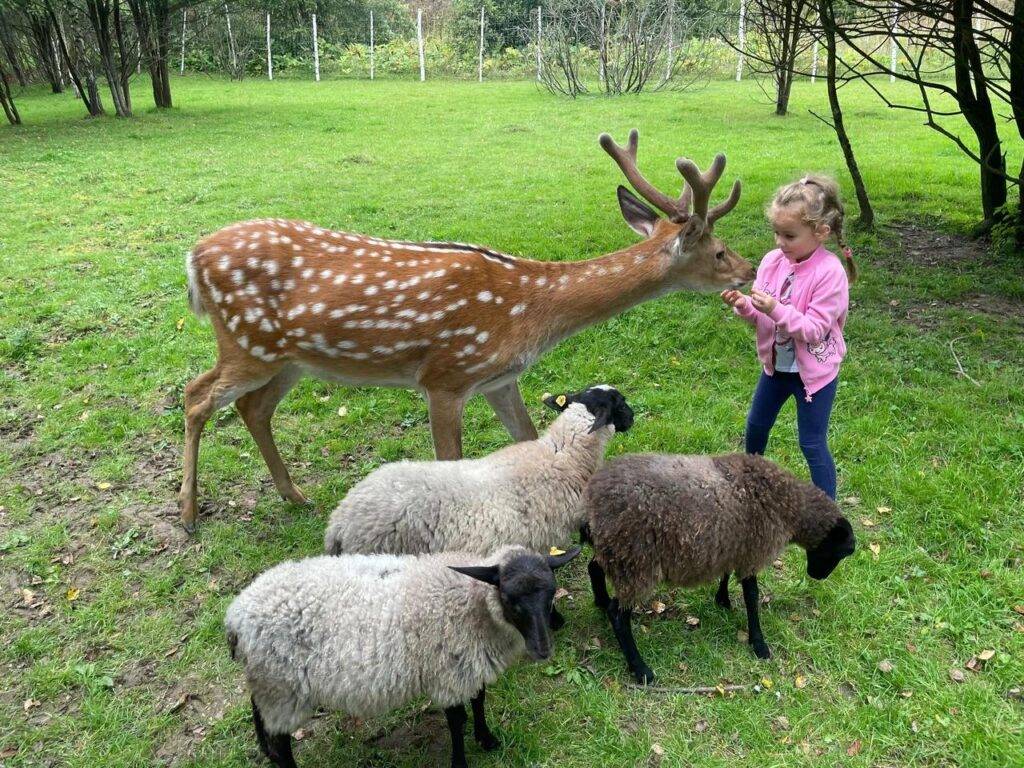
[676, 210]
[699, 186]
[696, 190]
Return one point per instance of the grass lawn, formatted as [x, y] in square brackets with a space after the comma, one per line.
[111, 642]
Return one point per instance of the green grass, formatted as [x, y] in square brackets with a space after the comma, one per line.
[96, 345]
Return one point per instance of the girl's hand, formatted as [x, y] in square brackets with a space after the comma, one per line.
[732, 297]
[762, 301]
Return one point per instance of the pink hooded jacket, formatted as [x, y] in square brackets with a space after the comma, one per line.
[814, 317]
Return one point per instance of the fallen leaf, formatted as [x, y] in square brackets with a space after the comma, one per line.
[84, 416]
[767, 682]
[555, 551]
[8, 751]
[742, 636]
[692, 621]
[986, 655]
[180, 324]
[72, 595]
[854, 749]
[875, 548]
[780, 723]
[956, 675]
[171, 652]
[883, 510]
[885, 666]
[906, 694]
[702, 725]
[658, 607]
[181, 702]
[867, 522]
[343, 412]
[300, 734]
[27, 596]
[974, 665]
[800, 681]
[103, 486]
[657, 749]
[31, 704]
[1019, 609]
[852, 501]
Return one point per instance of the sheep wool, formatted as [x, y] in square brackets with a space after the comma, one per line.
[364, 634]
[688, 520]
[529, 493]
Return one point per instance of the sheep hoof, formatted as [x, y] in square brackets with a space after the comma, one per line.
[557, 620]
[643, 675]
[724, 603]
[488, 742]
[761, 650]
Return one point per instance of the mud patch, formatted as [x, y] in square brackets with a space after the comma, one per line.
[427, 734]
[928, 248]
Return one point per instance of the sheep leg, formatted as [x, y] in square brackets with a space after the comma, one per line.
[750, 598]
[508, 403]
[456, 727]
[722, 596]
[481, 732]
[277, 748]
[556, 619]
[598, 585]
[621, 619]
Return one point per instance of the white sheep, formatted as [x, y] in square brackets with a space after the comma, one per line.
[365, 634]
[528, 493]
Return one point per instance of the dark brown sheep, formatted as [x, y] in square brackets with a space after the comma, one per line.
[690, 520]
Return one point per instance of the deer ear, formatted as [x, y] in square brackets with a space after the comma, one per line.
[640, 218]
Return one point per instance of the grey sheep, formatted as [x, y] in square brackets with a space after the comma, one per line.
[365, 634]
[528, 493]
[690, 520]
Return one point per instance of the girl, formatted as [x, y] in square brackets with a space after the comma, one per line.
[798, 306]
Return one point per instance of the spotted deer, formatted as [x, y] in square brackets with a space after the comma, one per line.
[287, 298]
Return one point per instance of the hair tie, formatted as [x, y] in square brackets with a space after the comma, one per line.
[847, 252]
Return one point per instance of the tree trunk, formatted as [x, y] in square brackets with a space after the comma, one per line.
[827, 21]
[153, 24]
[1017, 103]
[11, 50]
[972, 94]
[7, 100]
[43, 37]
[99, 17]
[89, 94]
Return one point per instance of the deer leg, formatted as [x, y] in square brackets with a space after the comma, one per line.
[508, 403]
[446, 423]
[203, 396]
[257, 408]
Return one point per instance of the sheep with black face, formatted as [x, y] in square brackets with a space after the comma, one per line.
[528, 493]
[365, 634]
[687, 520]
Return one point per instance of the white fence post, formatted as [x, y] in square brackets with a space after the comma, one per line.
[742, 40]
[231, 43]
[480, 66]
[184, 16]
[538, 43]
[892, 45]
[668, 57]
[814, 60]
[270, 61]
[419, 39]
[371, 44]
[316, 52]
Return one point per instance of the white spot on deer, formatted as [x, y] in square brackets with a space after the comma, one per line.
[243, 342]
[319, 340]
[251, 289]
[289, 284]
[237, 277]
[390, 285]
[233, 323]
[541, 280]
[359, 252]
[517, 310]
[339, 279]
[285, 239]
[345, 344]
[307, 273]
[563, 280]
[499, 300]
[382, 350]
[483, 364]
[296, 311]
[485, 296]
[271, 267]
[266, 326]
[423, 295]
[224, 262]
[358, 279]
[297, 332]
[282, 341]
[371, 290]
[469, 349]
[325, 273]
[296, 247]
[314, 288]
[317, 308]
[482, 337]
[254, 245]
[257, 351]
[275, 285]
[353, 239]
[298, 261]
[524, 279]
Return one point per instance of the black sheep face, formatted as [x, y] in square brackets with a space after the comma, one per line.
[605, 402]
[837, 544]
[526, 588]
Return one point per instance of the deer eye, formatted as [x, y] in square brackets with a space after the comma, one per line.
[720, 255]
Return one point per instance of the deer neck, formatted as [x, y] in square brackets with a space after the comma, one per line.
[603, 287]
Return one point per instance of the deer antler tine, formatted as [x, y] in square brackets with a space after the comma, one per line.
[626, 160]
[714, 173]
[696, 189]
[725, 206]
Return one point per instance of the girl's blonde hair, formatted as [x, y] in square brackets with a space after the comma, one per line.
[819, 203]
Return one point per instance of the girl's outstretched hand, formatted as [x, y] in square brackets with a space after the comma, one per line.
[732, 297]
[762, 301]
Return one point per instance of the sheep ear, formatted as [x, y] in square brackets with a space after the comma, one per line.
[602, 418]
[557, 561]
[557, 402]
[488, 574]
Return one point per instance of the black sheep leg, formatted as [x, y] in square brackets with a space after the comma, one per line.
[621, 619]
[598, 585]
[481, 732]
[456, 726]
[750, 598]
[722, 596]
[557, 619]
[277, 748]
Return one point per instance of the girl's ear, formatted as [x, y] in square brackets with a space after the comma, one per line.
[822, 232]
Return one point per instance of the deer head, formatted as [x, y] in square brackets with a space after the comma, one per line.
[700, 261]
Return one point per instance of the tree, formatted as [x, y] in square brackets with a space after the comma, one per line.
[7, 99]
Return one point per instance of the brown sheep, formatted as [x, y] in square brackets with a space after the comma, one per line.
[690, 520]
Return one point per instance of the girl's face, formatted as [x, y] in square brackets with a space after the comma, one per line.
[795, 237]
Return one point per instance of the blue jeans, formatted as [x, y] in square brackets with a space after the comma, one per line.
[811, 420]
